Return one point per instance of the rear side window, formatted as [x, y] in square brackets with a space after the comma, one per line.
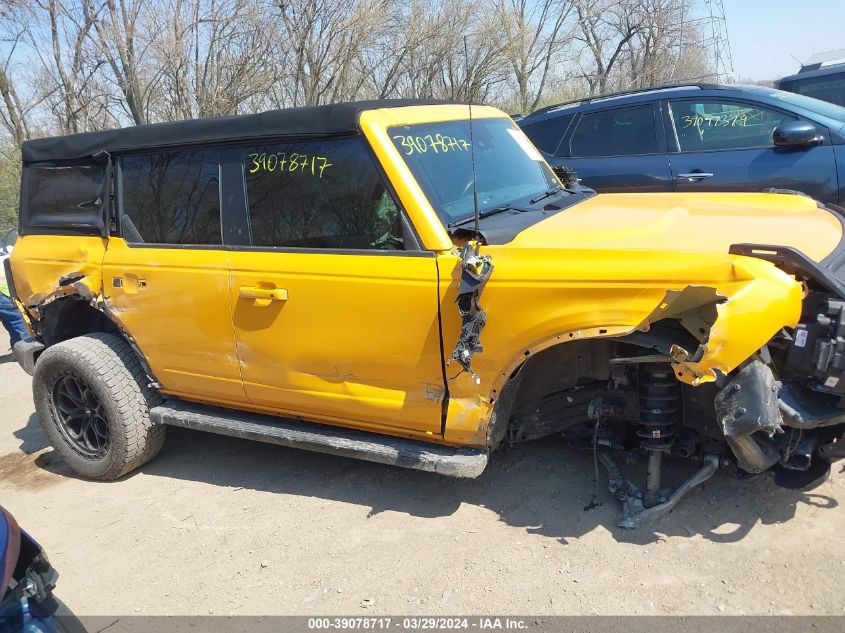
[319, 194]
[64, 197]
[620, 132]
[171, 197]
[546, 135]
[720, 125]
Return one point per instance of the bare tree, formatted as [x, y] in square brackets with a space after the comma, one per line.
[213, 56]
[325, 40]
[606, 29]
[14, 111]
[59, 39]
[116, 33]
[668, 47]
[396, 48]
[74, 65]
[12, 114]
[533, 32]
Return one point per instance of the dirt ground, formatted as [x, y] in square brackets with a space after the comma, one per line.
[226, 526]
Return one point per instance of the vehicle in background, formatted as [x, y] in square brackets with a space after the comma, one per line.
[702, 137]
[821, 77]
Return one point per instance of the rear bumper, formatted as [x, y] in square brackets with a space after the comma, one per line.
[26, 353]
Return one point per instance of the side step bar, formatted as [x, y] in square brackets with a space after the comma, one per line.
[382, 449]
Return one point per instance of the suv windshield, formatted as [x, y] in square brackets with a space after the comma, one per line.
[510, 170]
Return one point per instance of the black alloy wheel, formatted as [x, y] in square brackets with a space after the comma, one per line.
[80, 416]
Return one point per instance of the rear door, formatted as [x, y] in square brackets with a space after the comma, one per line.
[166, 276]
[726, 145]
[618, 149]
[334, 307]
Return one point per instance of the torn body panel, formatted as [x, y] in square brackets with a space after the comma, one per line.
[58, 280]
[732, 321]
[693, 378]
[475, 271]
[541, 298]
[46, 268]
[752, 313]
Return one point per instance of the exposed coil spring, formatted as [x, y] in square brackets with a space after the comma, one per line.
[660, 407]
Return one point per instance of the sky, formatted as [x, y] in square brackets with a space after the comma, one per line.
[765, 35]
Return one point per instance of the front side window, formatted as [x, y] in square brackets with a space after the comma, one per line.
[701, 126]
[319, 194]
[619, 132]
[171, 197]
[508, 168]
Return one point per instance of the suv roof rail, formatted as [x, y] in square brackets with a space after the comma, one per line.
[622, 93]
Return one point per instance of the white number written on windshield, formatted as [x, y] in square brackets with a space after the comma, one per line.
[434, 143]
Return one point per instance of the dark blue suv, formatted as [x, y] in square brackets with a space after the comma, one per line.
[701, 137]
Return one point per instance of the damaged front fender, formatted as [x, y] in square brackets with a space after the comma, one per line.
[748, 313]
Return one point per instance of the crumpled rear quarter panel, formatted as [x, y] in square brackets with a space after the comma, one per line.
[40, 261]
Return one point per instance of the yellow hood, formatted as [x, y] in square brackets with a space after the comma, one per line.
[689, 222]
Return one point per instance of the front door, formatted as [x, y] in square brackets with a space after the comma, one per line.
[725, 145]
[336, 318]
[167, 278]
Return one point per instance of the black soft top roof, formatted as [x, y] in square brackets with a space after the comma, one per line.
[309, 121]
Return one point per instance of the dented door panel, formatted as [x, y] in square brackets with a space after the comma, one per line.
[344, 338]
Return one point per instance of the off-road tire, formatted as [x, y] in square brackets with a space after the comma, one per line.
[111, 370]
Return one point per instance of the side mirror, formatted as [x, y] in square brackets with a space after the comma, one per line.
[9, 241]
[797, 134]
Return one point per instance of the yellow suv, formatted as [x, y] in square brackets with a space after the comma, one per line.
[410, 283]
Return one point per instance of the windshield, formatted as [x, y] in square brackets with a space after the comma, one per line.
[818, 106]
[510, 170]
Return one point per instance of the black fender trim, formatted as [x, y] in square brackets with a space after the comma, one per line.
[793, 262]
[26, 352]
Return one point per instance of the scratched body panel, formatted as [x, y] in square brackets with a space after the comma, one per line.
[358, 337]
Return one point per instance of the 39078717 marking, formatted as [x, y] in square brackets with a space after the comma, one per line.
[356, 623]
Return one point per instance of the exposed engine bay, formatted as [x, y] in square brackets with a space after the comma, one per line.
[782, 411]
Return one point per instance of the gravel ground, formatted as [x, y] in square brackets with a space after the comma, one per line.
[224, 526]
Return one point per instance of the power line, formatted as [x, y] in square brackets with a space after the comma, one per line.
[718, 42]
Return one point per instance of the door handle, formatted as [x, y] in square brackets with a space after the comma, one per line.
[695, 175]
[272, 294]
